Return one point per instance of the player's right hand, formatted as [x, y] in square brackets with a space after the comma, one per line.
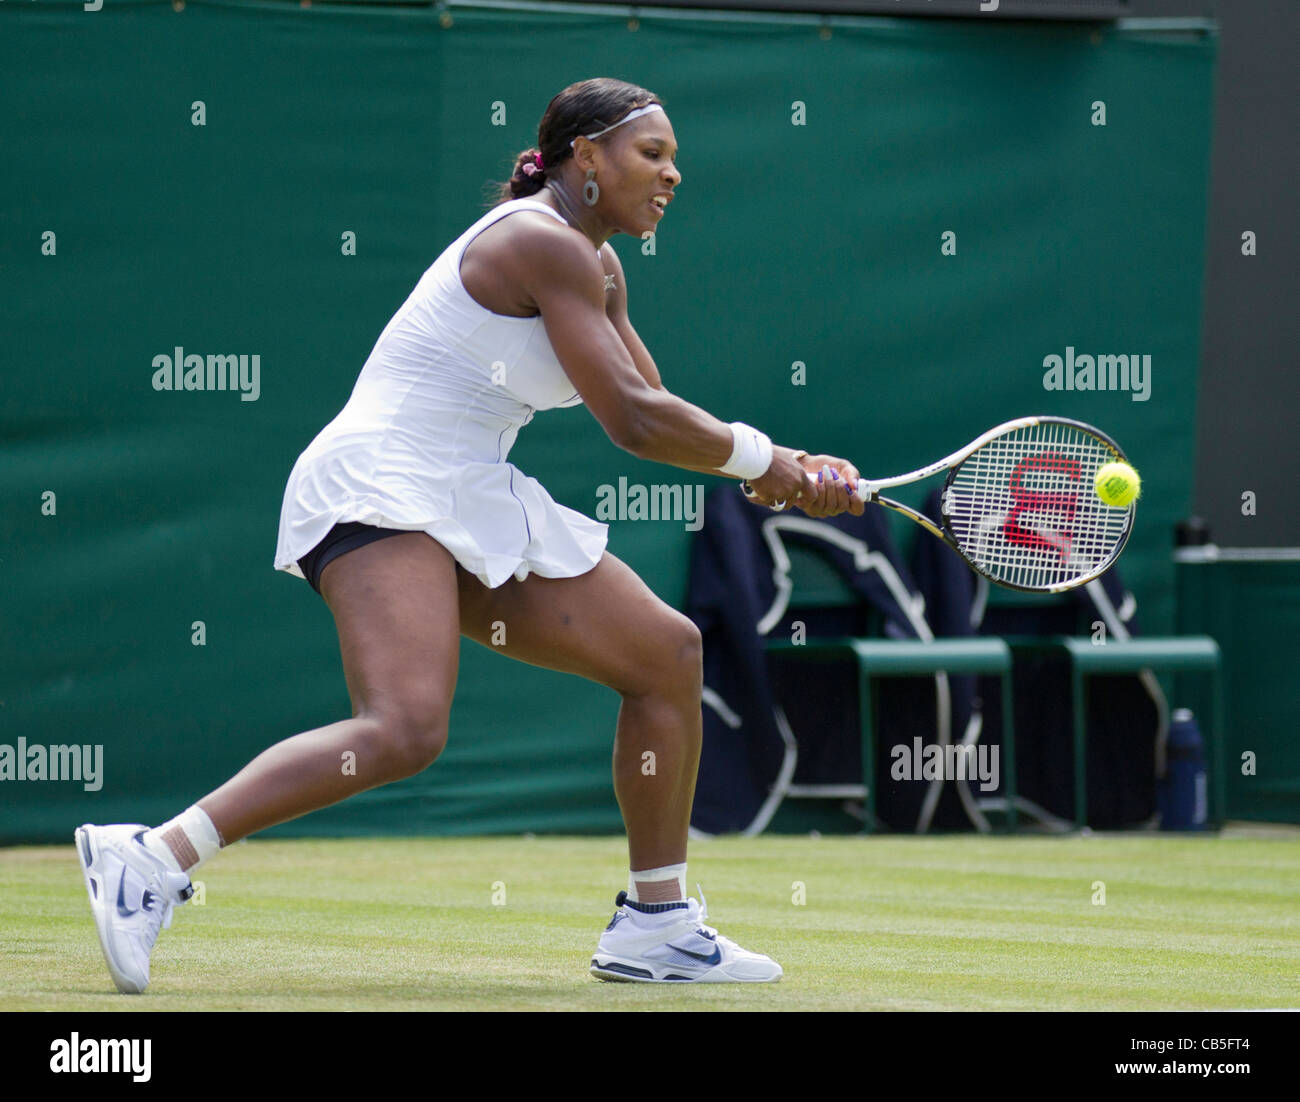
[785, 480]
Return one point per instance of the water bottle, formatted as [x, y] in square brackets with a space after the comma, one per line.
[1181, 794]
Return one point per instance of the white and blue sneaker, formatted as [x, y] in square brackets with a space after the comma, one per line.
[669, 943]
[132, 892]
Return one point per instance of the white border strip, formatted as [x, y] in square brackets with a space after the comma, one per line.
[1209, 552]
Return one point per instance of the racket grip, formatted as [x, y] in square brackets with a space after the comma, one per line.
[865, 491]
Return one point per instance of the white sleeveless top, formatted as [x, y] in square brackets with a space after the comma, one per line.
[422, 443]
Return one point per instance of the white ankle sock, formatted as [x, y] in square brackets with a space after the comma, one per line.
[191, 833]
[666, 884]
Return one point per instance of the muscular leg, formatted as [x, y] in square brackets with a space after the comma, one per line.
[395, 604]
[606, 625]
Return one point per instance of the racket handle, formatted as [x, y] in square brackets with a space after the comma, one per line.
[865, 492]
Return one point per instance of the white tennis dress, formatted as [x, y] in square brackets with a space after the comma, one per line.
[422, 443]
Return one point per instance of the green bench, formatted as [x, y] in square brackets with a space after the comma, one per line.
[915, 658]
[1160, 654]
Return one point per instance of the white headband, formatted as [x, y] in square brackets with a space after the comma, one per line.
[626, 118]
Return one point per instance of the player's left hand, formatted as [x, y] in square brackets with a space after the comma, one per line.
[835, 480]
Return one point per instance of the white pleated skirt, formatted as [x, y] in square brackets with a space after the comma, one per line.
[497, 522]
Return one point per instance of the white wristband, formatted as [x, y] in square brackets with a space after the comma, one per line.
[751, 452]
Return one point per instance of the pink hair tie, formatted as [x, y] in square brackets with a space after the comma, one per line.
[531, 170]
[537, 160]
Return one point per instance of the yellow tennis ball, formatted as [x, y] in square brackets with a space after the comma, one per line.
[1118, 484]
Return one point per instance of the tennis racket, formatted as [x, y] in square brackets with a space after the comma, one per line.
[1019, 504]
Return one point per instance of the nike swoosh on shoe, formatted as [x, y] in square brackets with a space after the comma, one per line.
[704, 958]
[122, 908]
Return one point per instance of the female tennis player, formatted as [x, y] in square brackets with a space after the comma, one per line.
[406, 517]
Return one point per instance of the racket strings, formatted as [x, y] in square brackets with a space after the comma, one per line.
[1024, 508]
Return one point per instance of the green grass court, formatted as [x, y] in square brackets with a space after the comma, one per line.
[889, 923]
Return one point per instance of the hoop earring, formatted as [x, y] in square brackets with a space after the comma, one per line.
[590, 190]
